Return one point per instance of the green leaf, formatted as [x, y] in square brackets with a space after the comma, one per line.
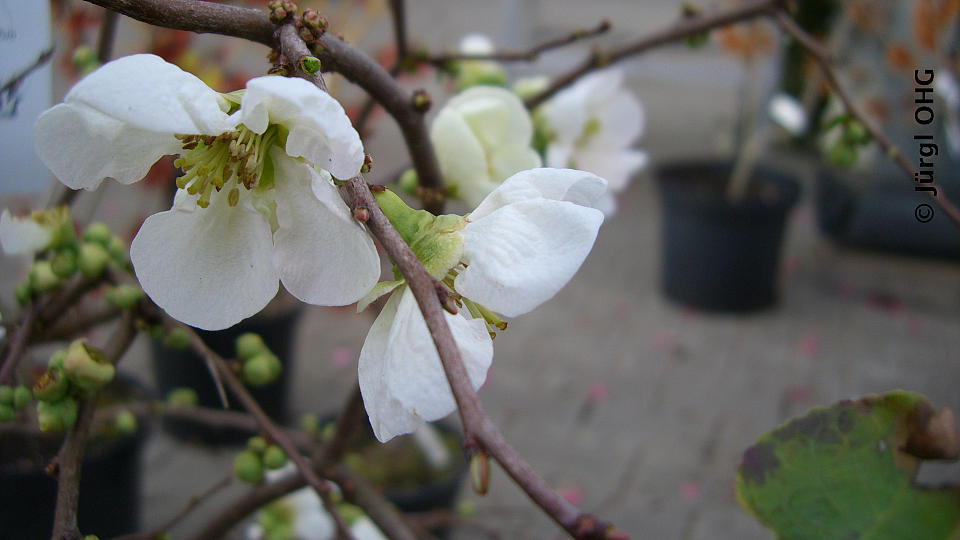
[847, 471]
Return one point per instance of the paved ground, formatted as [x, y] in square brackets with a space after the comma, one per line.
[637, 408]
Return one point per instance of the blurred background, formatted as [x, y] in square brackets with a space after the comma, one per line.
[632, 405]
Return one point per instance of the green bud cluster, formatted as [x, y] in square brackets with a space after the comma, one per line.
[125, 296]
[176, 339]
[260, 366]
[71, 373]
[259, 455]
[101, 248]
[844, 151]
[13, 400]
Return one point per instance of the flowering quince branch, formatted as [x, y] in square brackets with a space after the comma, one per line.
[71, 452]
[682, 29]
[529, 55]
[16, 343]
[823, 60]
[275, 434]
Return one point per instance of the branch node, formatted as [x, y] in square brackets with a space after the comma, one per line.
[421, 100]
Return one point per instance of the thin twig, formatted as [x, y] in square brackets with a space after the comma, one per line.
[823, 59]
[684, 28]
[195, 502]
[80, 323]
[274, 433]
[18, 343]
[398, 16]
[12, 83]
[70, 457]
[529, 55]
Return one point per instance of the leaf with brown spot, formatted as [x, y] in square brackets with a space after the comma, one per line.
[847, 471]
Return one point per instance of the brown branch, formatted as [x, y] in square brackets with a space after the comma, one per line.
[80, 323]
[70, 456]
[274, 433]
[359, 492]
[18, 343]
[195, 16]
[398, 16]
[529, 55]
[12, 83]
[683, 29]
[823, 59]
[191, 505]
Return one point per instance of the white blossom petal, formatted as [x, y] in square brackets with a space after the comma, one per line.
[578, 187]
[462, 159]
[323, 255]
[207, 267]
[145, 91]
[476, 43]
[621, 120]
[320, 130]
[617, 167]
[364, 529]
[401, 377]
[21, 236]
[82, 146]
[496, 116]
[520, 255]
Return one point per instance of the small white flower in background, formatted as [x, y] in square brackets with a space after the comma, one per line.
[477, 72]
[481, 137]
[301, 516]
[592, 126]
[256, 203]
[33, 233]
[520, 246]
[788, 113]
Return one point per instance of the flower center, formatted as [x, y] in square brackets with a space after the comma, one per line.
[590, 128]
[212, 162]
[478, 311]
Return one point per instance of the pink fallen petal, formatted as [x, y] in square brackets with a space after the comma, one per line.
[809, 345]
[690, 491]
[573, 496]
[796, 394]
[597, 394]
[341, 357]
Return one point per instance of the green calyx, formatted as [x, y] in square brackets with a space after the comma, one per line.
[435, 240]
[57, 415]
[125, 296]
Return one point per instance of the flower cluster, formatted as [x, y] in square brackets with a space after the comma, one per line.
[257, 204]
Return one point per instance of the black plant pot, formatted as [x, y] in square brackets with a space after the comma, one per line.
[884, 216]
[109, 502]
[174, 369]
[720, 255]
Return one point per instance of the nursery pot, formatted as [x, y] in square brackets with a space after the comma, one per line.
[109, 502]
[183, 368]
[881, 215]
[722, 255]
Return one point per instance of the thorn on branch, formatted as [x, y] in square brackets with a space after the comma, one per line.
[447, 300]
[377, 188]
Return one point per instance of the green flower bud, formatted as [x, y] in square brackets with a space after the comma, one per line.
[87, 366]
[480, 473]
[309, 423]
[350, 513]
[64, 263]
[183, 397]
[177, 339]
[98, 233]
[23, 292]
[56, 359]
[57, 415]
[118, 250]
[408, 182]
[248, 467]
[842, 154]
[479, 72]
[93, 259]
[310, 64]
[124, 296]
[6, 395]
[51, 386]
[42, 277]
[125, 422]
[85, 60]
[21, 397]
[257, 444]
[274, 458]
[64, 235]
[6, 412]
[262, 369]
[250, 345]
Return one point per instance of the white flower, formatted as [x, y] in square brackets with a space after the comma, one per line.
[520, 246]
[481, 137]
[593, 124]
[20, 236]
[254, 206]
